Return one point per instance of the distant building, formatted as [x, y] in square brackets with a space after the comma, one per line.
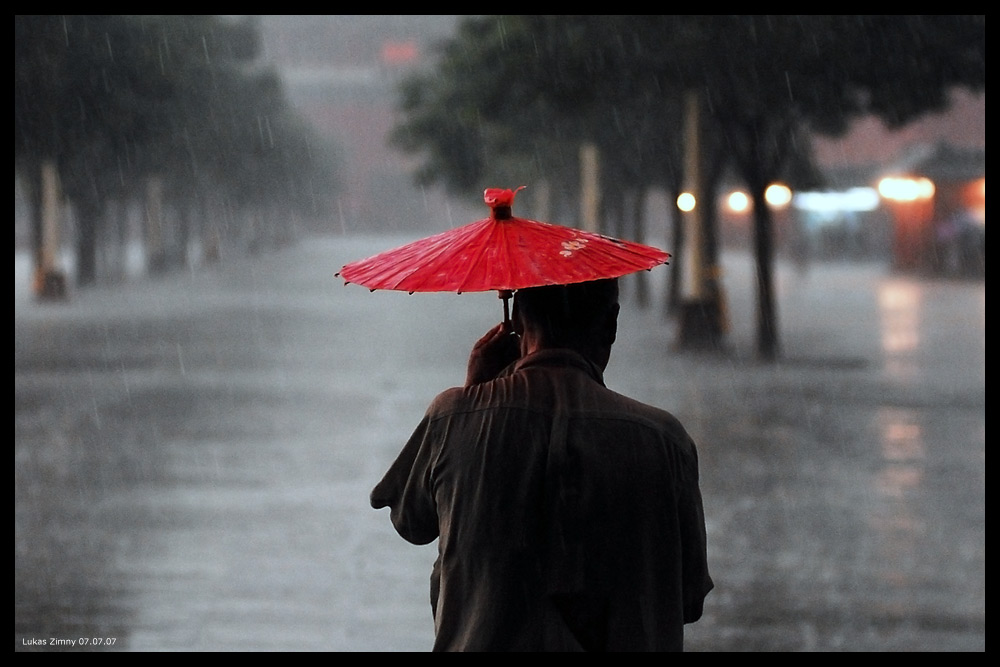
[341, 72]
[844, 220]
[936, 194]
[948, 149]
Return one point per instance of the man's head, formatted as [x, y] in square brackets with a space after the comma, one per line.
[582, 317]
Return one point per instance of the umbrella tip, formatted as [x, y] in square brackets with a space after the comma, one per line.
[500, 201]
[500, 197]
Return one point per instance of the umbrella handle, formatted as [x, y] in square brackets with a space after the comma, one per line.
[505, 294]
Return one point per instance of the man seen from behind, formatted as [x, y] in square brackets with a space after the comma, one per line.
[568, 516]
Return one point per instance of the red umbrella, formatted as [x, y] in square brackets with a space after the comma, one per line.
[501, 253]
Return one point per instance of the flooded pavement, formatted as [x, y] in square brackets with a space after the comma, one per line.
[193, 457]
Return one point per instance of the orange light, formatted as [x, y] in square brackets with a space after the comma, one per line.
[738, 202]
[778, 195]
[906, 189]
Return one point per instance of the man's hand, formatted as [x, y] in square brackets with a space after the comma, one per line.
[492, 353]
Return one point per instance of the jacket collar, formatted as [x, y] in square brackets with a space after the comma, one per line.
[557, 358]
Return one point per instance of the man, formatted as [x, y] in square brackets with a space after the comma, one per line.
[569, 517]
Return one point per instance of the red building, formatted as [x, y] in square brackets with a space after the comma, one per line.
[937, 198]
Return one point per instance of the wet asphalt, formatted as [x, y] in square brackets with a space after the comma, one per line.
[193, 456]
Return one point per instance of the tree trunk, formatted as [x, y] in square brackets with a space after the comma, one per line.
[700, 317]
[155, 251]
[767, 313]
[118, 246]
[676, 249]
[33, 185]
[88, 219]
[590, 195]
[633, 213]
[49, 281]
[185, 215]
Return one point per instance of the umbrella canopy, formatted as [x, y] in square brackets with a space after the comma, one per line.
[501, 253]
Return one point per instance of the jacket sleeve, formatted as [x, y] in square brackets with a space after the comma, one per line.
[406, 489]
[696, 580]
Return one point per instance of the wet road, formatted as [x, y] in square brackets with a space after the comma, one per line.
[193, 458]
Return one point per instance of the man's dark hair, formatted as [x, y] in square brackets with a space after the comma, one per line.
[567, 314]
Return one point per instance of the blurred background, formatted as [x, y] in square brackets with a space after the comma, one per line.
[183, 137]
[187, 186]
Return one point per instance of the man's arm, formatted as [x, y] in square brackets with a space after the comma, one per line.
[697, 581]
[406, 491]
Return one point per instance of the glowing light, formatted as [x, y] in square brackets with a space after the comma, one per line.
[686, 201]
[738, 202]
[977, 207]
[906, 189]
[854, 199]
[778, 195]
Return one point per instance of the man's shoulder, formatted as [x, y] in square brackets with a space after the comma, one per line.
[458, 400]
[448, 397]
[633, 408]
